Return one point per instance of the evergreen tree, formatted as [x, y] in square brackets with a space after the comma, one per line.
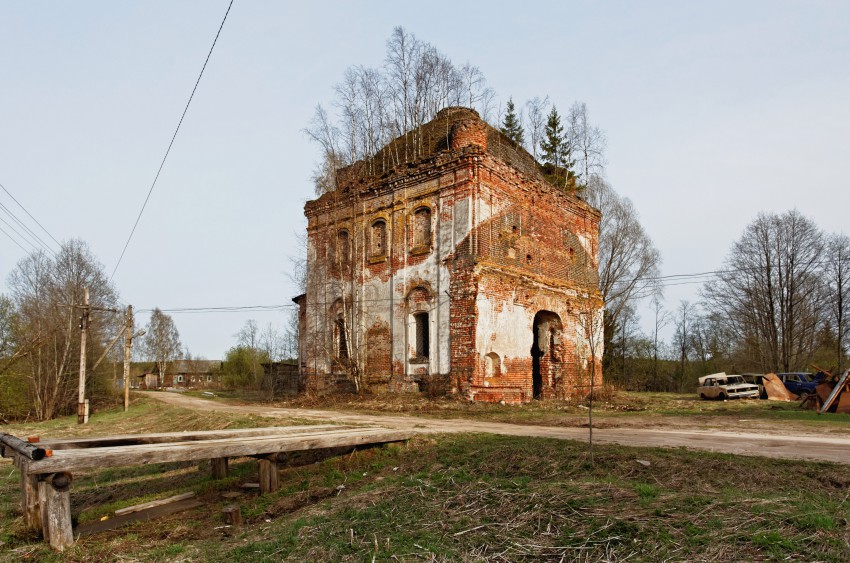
[555, 146]
[511, 126]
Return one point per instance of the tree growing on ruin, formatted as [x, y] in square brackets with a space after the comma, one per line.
[536, 114]
[161, 343]
[587, 143]
[554, 144]
[511, 124]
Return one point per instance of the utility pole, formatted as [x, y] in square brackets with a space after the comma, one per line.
[128, 342]
[82, 403]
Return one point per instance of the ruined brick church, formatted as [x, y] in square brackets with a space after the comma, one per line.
[448, 262]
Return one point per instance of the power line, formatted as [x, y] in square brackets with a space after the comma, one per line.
[14, 240]
[29, 232]
[23, 238]
[30, 215]
[173, 137]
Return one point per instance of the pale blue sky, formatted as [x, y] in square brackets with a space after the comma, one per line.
[713, 112]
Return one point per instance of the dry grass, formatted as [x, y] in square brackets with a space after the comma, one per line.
[457, 498]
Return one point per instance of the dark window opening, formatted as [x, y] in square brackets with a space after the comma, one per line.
[423, 337]
[342, 248]
[342, 340]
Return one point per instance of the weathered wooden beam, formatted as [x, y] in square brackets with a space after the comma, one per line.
[29, 495]
[21, 447]
[153, 504]
[169, 437]
[73, 460]
[219, 467]
[269, 475]
[55, 503]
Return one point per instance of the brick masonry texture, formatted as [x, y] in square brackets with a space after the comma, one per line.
[458, 267]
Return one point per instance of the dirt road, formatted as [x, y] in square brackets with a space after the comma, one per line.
[790, 446]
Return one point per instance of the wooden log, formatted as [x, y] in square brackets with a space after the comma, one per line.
[73, 460]
[21, 447]
[219, 467]
[29, 495]
[55, 501]
[42, 510]
[232, 515]
[152, 504]
[171, 437]
[269, 476]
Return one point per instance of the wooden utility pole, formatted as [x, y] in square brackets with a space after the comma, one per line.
[82, 404]
[128, 342]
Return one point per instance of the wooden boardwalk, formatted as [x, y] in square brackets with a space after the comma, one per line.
[46, 482]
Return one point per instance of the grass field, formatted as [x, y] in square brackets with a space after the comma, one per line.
[460, 497]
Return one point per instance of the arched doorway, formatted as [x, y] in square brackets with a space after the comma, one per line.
[546, 333]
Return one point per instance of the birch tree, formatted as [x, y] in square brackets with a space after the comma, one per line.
[161, 343]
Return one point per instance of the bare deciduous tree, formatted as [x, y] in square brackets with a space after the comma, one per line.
[682, 337]
[587, 142]
[628, 260]
[45, 292]
[161, 343]
[537, 110]
[377, 105]
[771, 294]
[837, 275]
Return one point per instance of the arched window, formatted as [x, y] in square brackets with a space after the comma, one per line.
[492, 365]
[422, 228]
[423, 336]
[378, 239]
[343, 248]
[341, 339]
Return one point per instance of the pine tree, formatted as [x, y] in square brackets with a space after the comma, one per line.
[557, 153]
[556, 149]
[511, 126]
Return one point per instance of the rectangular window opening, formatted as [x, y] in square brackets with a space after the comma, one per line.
[423, 336]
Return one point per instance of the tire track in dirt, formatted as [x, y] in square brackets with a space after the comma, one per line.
[810, 447]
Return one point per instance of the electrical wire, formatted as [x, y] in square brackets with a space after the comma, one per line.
[171, 144]
[30, 214]
[30, 235]
[14, 240]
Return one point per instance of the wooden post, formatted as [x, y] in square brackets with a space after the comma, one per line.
[29, 495]
[82, 417]
[219, 467]
[128, 342]
[269, 479]
[54, 493]
[232, 515]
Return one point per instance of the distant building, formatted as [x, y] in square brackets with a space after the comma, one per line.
[180, 374]
[451, 264]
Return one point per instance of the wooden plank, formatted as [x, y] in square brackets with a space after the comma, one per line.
[72, 460]
[836, 390]
[166, 437]
[156, 512]
[152, 504]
